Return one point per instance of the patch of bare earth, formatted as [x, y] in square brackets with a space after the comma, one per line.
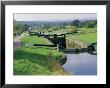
[55, 67]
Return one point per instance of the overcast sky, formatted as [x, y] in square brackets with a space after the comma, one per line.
[54, 17]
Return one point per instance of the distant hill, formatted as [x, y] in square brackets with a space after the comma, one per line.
[27, 22]
[34, 23]
[48, 23]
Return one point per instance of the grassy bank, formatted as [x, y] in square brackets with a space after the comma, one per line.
[86, 36]
[35, 60]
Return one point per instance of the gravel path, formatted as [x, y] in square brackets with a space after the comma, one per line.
[17, 42]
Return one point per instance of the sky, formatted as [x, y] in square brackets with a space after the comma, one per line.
[54, 17]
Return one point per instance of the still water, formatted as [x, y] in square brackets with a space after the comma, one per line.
[81, 64]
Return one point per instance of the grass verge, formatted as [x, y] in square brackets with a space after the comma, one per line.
[34, 60]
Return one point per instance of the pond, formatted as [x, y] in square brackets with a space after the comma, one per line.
[81, 64]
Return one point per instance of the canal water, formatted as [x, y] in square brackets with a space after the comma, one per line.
[81, 64]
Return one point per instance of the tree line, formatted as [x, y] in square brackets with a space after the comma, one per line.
[18, 28]
[53, 26]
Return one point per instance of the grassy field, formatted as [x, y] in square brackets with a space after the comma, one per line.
[35, 60]
[87, 36]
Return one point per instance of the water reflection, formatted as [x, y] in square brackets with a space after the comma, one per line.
[81, 64]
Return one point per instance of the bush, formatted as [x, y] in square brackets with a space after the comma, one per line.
[72, 29]
[90, 25]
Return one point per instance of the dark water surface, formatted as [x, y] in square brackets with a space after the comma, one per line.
[81, 64]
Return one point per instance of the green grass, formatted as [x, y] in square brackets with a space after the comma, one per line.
[34, 60]
[87, 36]
[88, 30]
[35, 39]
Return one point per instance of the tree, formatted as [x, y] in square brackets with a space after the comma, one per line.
[82, 24]
[25, 27]
[18, 28]
[75, 23]
[50, 30]
[90, 25]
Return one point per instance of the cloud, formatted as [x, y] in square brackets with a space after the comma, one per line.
[54, 17]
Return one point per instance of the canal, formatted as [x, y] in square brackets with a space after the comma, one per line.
[81, 64]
